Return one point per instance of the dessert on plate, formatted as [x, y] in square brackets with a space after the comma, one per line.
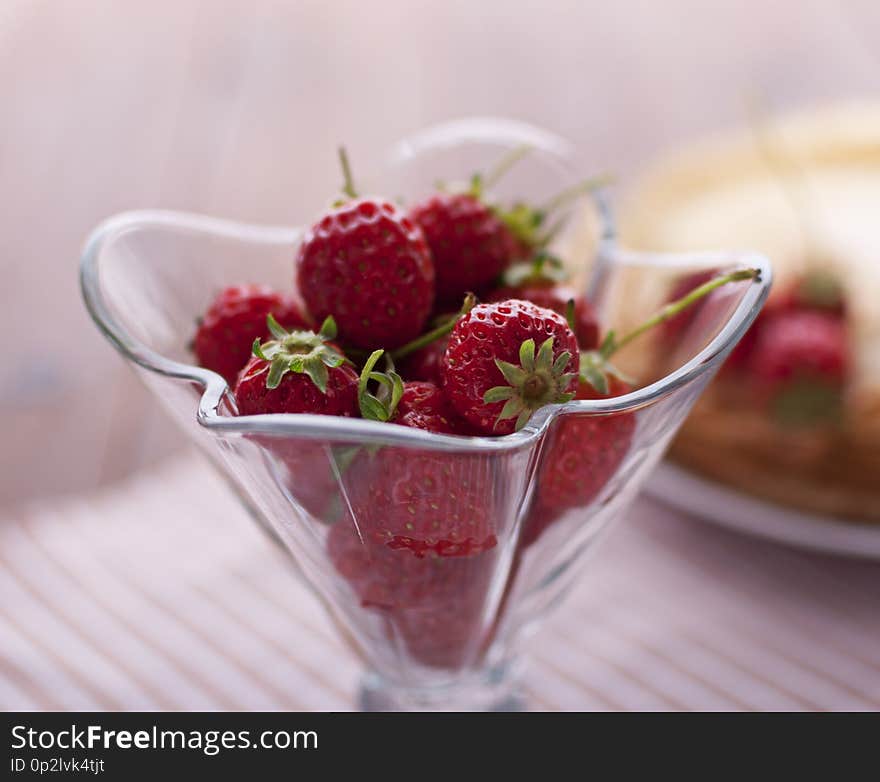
[794, 415]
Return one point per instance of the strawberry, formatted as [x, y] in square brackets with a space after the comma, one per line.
[470, 244]
[480, 379]
[583, 453]
[297, 372]
[558, 298]
[472, 241]
[418, 404]
[420, 359]
[300, 372]
[432, 604]
[425, 406]
[390, 578]
[367, 264]
[428, 503]
[235, 318]
[800, 364]
[541, 282]
[383, 578]
[424, 364]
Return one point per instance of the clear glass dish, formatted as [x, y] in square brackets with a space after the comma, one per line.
[433, 633]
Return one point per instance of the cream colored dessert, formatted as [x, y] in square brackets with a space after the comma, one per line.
[724, 194]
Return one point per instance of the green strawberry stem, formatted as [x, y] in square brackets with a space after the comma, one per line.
[538, 380]
[596, 366]
[434, 334]
[611, 345]
[299, 351]
[574, 192]
[348, 180]
[383, 405]
[543, 267]
[500, 169]
[526, 221]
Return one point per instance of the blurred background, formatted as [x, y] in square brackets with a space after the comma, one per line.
[235, 109]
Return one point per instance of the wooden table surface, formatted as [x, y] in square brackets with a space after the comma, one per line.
[159, 592]
[235, 108]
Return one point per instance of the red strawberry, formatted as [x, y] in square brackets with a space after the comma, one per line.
[368, 265]
[424, 364]
[541, 282]
[308, 470]
[425, 406]
[430, 503]
[433, 605]
[553, 296]
[583, 452]
[298, 372]
[480, 378]
[471, 245]
[420, 405]
[473, 242]
[237, 317]
[800, 364]
[582, 455]
[383, 577]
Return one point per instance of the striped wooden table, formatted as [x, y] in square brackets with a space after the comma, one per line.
[160, 593]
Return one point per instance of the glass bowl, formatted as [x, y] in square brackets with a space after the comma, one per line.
[434, 632]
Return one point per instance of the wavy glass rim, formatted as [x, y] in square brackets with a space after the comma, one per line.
[338, 429]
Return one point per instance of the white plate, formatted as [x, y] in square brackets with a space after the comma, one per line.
[722, 505]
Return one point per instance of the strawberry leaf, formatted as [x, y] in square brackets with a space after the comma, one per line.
[527, 355]
[561, 362]
[544, 267]
[545, 356]
[328, 329]
[608, 345]
[275, 328]
[277, 369]
[303, 352]
[593, 371]
[382, 405]
[512, 407]
[498, 394]
[514, 375]
[257, 350]
[522, 419]
[539, 380]
[317, 371]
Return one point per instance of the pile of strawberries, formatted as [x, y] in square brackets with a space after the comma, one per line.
[374, 277]
[389, 328]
